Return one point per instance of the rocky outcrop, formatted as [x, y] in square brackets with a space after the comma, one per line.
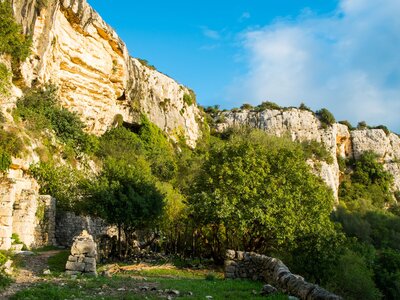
[75, 49]
[303, 125]
[300, 125]
[273, 271]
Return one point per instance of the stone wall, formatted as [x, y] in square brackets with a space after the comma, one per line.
[24, 212]
[69, 225]
[273, 271]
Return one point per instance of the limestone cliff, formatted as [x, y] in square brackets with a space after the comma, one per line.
[303, 125]
[75, 49]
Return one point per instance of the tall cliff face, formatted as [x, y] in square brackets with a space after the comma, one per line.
[303, 125]
[75, 49]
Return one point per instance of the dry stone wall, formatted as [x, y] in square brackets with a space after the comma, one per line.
[69, 225]
[24, 212]
[273, 271]
[83, 255]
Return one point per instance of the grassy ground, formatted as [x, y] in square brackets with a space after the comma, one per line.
[141, 282]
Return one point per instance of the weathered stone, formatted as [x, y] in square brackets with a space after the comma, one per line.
[230, 254]
[75, 266]
[268, 290]
[273, 271]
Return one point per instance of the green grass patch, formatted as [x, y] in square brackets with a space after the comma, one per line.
[57, 262]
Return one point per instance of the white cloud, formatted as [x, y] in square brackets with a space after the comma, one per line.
[209, 33]
[348, 62]
[246, 15]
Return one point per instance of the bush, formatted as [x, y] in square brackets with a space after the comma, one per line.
[304, 107]
[362, 125]
[12, 41]
[145, 63]
[10, 145]
[316, 150]
[4, 79]
[189, 98]
[347, 123]
[247, 106]
[326, 117]
[352, 279]
[267, 105]
[40, 109]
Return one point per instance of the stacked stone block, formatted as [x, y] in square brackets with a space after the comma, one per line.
[254, 266]
[83, 256]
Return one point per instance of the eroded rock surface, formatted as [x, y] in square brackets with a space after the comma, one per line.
[75, 49]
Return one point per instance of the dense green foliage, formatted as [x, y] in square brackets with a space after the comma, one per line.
[4, 79]
[40, 110]
[256, 192]
[267, 105]
[12, 41]
[374, 231]
[10, 145]
[326, 117]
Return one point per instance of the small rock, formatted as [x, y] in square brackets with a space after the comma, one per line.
[153, 289]
[209, 297]
[46, 272]
[254, 292]
[190, 293]
[174, 292]
[268, 290]
[144, 288]
[121, 289]
[73, 277]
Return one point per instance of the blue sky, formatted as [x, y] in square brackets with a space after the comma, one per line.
[338, 54]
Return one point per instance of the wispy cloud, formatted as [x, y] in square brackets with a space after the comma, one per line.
[347, 61]
[209, 33]
[246, 15]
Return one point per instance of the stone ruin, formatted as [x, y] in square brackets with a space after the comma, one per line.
[83, 256]
[273, 271]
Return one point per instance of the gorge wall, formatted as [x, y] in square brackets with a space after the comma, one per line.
[303, 125]
[76, 50]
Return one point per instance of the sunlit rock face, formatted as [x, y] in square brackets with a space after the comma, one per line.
[76, 50]
[303, 125]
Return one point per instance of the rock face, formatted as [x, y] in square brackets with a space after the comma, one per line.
[83, 255]
[273, 271]
[75, 49]
[303, 125]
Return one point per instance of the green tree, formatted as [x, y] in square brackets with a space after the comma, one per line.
[125, 195]
[256, 192]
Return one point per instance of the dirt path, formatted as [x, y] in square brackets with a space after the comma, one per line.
[32, 267]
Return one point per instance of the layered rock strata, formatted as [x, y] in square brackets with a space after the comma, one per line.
[76, 50]
[273, 271]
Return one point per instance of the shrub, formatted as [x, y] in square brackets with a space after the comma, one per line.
[12, 41]
[4, 79]
[145, 63]
[314, 149]
[40, 109]
[383, 127]
[347, 123]
[352, 279]
[362, 125]
[267, 105]
[326, 117]
[304, 107]
[189, 98]
[247, 106]
[10, 145]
